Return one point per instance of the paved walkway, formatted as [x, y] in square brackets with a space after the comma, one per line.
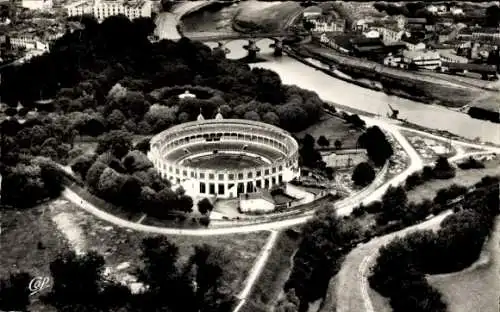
[257, 269]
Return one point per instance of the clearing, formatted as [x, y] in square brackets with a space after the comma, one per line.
[333, 128]
[463, 177]
[269, 286]
[475, 288]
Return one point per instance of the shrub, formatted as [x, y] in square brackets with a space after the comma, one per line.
[363, 174]
[413, 180]
[471, 163]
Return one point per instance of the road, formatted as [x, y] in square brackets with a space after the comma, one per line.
[259, 265]
[352, 286]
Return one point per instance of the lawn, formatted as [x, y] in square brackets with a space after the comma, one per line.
[120, 245]
[476, 289]
[333, 128]
[20, 236]
[463, 177]
[268, 288]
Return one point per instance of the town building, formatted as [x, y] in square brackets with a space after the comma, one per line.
[312, 12]
[28, 42]
[456, 11]
[450, 56]
[390, 35]
[422, 59]
[79, 8]
[37, 4]
[417, 23]
[325, 24]
[101, 9]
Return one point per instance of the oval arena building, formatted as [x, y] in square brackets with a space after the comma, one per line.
[224, 158]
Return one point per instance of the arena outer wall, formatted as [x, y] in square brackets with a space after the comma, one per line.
[224, 183]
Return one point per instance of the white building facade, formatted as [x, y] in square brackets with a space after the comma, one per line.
[42, 5]
[103, 9]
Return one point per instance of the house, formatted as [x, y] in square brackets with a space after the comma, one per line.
[312, 12]
[394, 61]
[432, 9]
[456, 11]
[101, 9]
[416, 23]
[362, 25]
[422, 59]
[332, 43]
[37, 4]
[482, 69]
[465, 34]
[486, 34]
[259, 201]
[368, 46]
[390, 35]
[372, 34]
[324, 24]
[450, 56]
[345, 158]
[417, 46]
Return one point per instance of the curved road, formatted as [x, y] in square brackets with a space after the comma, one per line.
[352, 286]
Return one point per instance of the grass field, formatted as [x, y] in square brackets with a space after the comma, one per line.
[20, 237]
[120, 245]
[476, 289]
[333, 128]
[463, 177]
[60, 225]
[270, 284]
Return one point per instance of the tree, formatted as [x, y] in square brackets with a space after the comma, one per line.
[443, 169]
[338, 144]
[116, 119]
[185, 203]
[363, 174]
[271, 118]
[110, 184]
[377, 146]
[395, 203]
[205, 206]
[323, 141]
[94, 174]
[493, 16]
[117, 141]
[251, 115]
[68, 268]
[14, 292]
[136, 161]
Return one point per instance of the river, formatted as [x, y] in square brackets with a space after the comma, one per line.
[343, 93]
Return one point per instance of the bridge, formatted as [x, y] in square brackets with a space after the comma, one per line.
[253, 38]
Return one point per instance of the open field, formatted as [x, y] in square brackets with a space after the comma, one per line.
[268, 288]
[266, 16]
[463, 177]
[120, 245]
[333, 128]
[20, 237]
[31, 239]
[474, 289]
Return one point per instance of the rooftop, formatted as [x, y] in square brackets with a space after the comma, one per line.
[420, 54]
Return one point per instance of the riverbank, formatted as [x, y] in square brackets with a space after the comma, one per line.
[291, 53]
[265, 16]
[423, 88]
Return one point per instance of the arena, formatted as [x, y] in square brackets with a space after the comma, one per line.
[224, 158]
